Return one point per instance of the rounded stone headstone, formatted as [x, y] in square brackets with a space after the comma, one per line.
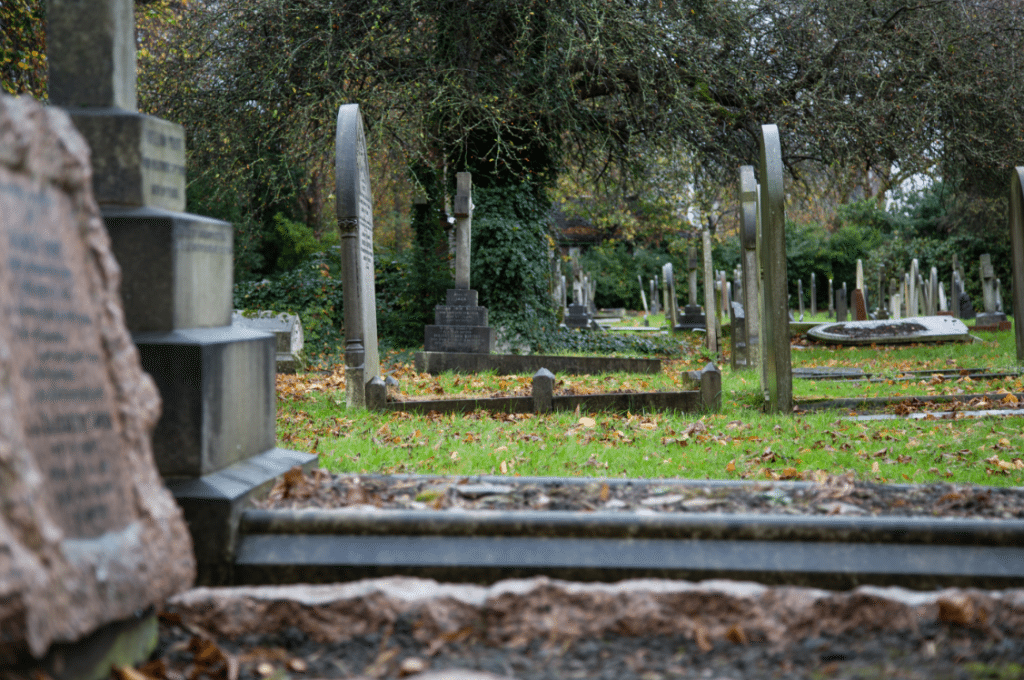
[775, 320]
[355, 225]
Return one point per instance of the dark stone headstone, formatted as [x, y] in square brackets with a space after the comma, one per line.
[577, 316]
[860, 308]
[738, 336]
[89, 535]
[841, 309]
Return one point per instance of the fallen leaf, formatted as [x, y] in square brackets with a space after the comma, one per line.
[958, 610]
[587, 422]
[702, 637]
[736, 635]
[731, 467]
[503, 466]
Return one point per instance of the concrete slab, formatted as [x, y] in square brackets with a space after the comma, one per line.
[891, 332]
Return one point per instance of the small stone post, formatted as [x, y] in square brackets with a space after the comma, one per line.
[711, 387]
[543, 390]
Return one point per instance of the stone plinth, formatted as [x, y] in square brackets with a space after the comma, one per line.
[460, 325]
[178, 270]
[577, 316]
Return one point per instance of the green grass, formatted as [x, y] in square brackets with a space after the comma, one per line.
[740, 442]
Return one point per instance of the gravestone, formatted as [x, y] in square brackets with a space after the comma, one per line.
[831, 300]
[1016, 220]
[860, 307]
[933, 292]
[750, 265]
[287, 332]
[800, 297]
[89, 536]
[671, 300]
[711, 321]
[814, 295]
[943, 302]
[924, 329]
[738, 336]
[841, 307]
[990, 317]
[912, 290]
[215, 440]
[859, 275]
[775, 314]
[460, 325]
[655, 304]
[354, 202]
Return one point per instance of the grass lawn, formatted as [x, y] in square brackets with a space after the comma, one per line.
[740, 442]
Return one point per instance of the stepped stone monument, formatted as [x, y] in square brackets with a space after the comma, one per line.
[693, 316]
[1016, 219]
[90, 539]
[460, 325]
[214, 443]
[775, 315]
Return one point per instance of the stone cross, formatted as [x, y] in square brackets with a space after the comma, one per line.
[355, 224]
[750, 265]
[988, 283]
[1016, 220]
[463, 227]
[775, 317]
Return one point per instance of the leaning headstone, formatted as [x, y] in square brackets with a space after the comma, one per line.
[215, 441]
[460, 325]
[672, 300]
[750, 265]
[1016, 219]
[90, 539]
[287, 332]
[775, 317]
[990, 317]
[355, 225]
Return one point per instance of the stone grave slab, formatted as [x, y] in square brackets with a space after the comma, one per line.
[286, 329]
[89, 535]
[891, 332]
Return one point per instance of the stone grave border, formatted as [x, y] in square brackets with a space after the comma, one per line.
[878, 403]
[707, 398]
[824, 551]
[435, 363]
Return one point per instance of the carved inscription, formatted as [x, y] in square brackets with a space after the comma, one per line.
[61, 388]
[163, 154]
[196, 238]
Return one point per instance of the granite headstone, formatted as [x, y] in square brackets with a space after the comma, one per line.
[775, 317]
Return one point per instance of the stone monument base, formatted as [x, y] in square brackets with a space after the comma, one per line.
[991, 321]
[460, 325]
[692, 319]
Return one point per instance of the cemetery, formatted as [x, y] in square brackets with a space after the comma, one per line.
[507, 453]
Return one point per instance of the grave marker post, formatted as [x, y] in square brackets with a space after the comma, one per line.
[1016, 219]
[814, 295]
[775, 321]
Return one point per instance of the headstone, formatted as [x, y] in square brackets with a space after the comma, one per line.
[800, 297]
[738, 336]
[355, 224]
[943, 302]
[724, 296]
[896, 306]
[814, 295]
[1016, 220]
[655, 304]
[750, 264]
[775, 317]
[287, 332]
[831, 300]
[543, 390]
[913, 292]
[460, 325]
[999, 295]
[215, 440]
[709, 295]
[577, 316]
[990, 317]
[933, 292]
[671, 300]
[643, 297]
[692, 264]
[89, 535]
[860, 274]
[692, 317]
[841, 308]
[860, 307]
[922, 296]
